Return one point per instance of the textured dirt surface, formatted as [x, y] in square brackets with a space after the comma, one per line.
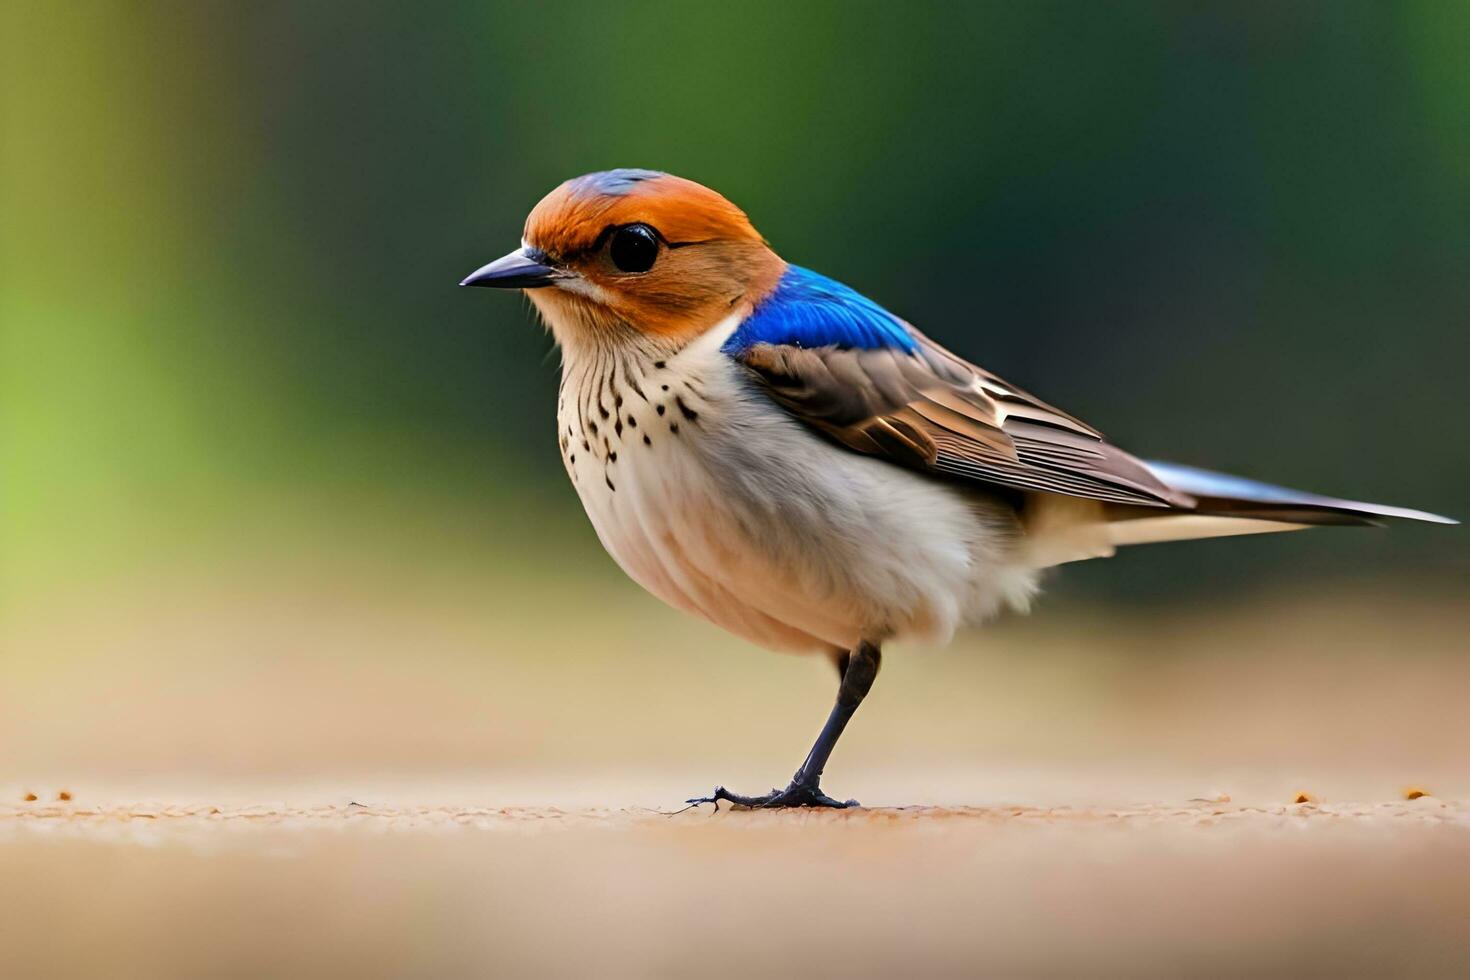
[1198, 888]
[70, 818]
[1111, 797]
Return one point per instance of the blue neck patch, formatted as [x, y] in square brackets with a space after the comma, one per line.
[809, 310]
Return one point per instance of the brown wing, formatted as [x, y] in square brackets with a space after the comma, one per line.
[930, 410]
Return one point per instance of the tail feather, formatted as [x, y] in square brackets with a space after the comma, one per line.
[1064, 529]
[1223, 495]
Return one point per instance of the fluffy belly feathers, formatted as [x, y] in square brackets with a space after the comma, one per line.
[721, 505]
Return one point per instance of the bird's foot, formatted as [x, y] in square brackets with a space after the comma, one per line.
[797, 794]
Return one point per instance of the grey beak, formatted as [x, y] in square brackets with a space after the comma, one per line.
[518, 270]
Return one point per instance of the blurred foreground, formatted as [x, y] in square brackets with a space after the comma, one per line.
[325, 767]
[1193, 889]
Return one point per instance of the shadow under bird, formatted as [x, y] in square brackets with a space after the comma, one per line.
[768, 449]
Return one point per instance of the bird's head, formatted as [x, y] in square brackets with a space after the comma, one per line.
[636, 250]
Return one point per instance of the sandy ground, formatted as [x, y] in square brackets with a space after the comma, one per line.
[1196, 888]
[320, 776]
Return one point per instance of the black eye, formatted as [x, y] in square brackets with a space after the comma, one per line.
[634, 248]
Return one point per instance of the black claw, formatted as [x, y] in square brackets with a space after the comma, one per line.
[713, 798]
[798, 794]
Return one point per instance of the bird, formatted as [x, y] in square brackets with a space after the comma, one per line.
[772, 451]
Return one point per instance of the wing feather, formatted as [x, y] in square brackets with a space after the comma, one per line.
[851, 370]
[928, 409]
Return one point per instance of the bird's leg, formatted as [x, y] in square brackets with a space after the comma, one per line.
[860, 668]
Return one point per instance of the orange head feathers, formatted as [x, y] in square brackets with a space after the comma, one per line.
[640, 250]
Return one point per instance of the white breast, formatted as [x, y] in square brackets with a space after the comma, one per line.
[713, 499]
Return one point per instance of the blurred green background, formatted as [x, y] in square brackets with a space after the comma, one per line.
[1228, 234]
[282, 515]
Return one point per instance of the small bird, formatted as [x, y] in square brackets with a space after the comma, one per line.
[768, 449]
